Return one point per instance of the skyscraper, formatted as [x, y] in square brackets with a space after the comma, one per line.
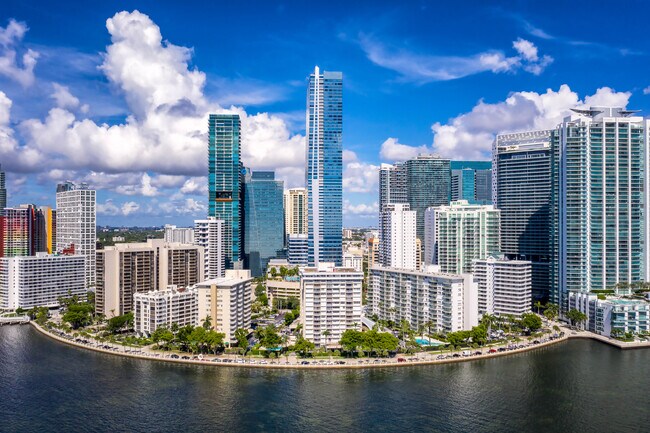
[483, 186]
[225, 182]
[521, 190]
[3, 192]
[76, 223]
[208, 233]
[295, 211]
[463, 185]
[397, 237]
[428, 184]
[392, 184]
[602, 196]
[460, 233]
[264, 222]
[19, 231]
[324, 171]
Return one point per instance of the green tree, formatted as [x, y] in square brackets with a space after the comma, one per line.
[119, 323]
[531, 321]
[479, 335]
[303, 347]
[551, 312]
[214, 340]
[351, 340]
[538, 305]
[163, 337]
[207, 322]
[576, 317]
[78, 315]
[90, 297]
[242, 341]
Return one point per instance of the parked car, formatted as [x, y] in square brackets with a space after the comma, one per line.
[401, 360]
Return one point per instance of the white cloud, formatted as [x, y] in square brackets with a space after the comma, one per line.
[361, 210]
[107, 208]
[129, 207]
[359, 176]
[424, 68]
[63, 97]
[470, 135]
[392, 150]
[165, 134]
[21, 71]
[646, 91]
[195, 185]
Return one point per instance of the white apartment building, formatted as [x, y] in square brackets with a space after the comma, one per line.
[295, 211]
[125, 269]
[330, 302]
[208, 233]
[397, 236]
[38, 281]
[158, 308]
[353, 260]
[424, 298]
[227, 301]
[613, 316]
[76, 223]
[460, 233]
[179, 235]
[504, 286]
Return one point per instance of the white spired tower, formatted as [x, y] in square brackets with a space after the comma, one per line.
[76, 224]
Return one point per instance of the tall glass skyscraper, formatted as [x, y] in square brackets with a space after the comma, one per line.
[521, 181]
[428, 180]
[324, 171]
[392, 185]
[225, 182]
[264, 220]
[602, 200]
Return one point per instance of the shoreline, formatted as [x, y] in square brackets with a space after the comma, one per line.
[391, 363]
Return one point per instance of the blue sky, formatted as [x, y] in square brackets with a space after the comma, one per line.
[122, 103]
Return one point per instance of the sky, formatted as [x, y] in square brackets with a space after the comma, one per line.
[117, 94]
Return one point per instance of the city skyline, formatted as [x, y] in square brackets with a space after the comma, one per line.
[524, 76]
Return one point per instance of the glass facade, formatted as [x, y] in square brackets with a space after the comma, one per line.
[602, 196]
[225, 181]
[428, 184]
[324, 173]
[264, 224]
[522, 188]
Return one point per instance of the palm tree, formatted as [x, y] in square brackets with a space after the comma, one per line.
[326, 333]
[488, 320]
[538, 305]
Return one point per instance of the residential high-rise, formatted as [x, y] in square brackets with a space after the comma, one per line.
[397, 236]
[458, 234]
[602, 198]
[46, 229]
[521, 190]
[504, 286]
[324, 171]
[76, 223]
[125, 269]
[392, 184]
[227, 302]
[225, 179]
[330, 302]
[263, 220]
[428, 184]
[440, 302]
[372, 249]
[208, 233]
[295, 211]
[165, 307]
[179, 235]
[40, 280]
[19, 237]
[3, 192]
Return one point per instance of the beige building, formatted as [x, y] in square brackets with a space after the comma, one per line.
[282, 289]
[227, 301]
[126, 269]
[295, 211]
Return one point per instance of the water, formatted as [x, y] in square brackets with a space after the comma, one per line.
[577, 386]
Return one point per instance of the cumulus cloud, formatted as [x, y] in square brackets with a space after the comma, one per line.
[424, 68]
[359, 176]
[129, 207]
[360, 210]
[21, 70]
[63, 97]
[164, 134]
[470, 135]
[393, 151]
[646, 91]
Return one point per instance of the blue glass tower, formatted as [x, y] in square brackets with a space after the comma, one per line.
[225, 181]
[264, 220]
[324, 173]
